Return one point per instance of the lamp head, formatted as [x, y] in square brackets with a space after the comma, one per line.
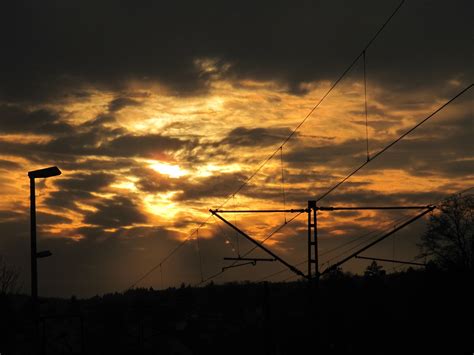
[44, 173]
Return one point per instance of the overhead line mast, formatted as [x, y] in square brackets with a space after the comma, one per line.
[280, 147]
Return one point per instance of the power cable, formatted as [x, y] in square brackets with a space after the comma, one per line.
[224, 235]
[362, 53]
[392, 223]
[161, 274]
[173, 251]
[394, 142]
[281, 271]
[378, 234]
[398, 221]
[360, 237]
[199, 254]
[366, 113]
[279, 228]
[333, 86]
[251, 249]
[339, 79]
[283, 182]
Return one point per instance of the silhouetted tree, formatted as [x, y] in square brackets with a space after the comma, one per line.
[374, 270]
[9, 278]
[449, 237]
[334, 274]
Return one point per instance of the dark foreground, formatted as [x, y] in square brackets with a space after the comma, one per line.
[410, 312]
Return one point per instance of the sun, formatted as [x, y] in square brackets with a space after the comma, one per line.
[173, 171]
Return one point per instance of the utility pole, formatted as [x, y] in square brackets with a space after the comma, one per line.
[313, 274]
[42, 173]
[313, 268]
[34, 272]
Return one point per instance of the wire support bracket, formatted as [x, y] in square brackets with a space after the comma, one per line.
[259, 245]
[249, 259]
[411, 220]
[390, 260]
[253, 263]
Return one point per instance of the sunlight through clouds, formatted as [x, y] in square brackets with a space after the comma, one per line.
[173, 171]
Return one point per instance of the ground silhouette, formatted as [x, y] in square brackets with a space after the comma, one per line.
[420, 311]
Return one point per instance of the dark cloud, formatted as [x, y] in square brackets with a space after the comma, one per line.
[86, 182]
[152, 146]
[80, 188]
[100, 262]
[66, 50]
[379, 126]
[298, 176]
[338, 155]
[63, 199]
[99, 121]
[438, 148]
[52, 50]
[96, 141]
[119, 211]
[14, 119]
[122, 102]
[376, 111]
[220, 185]
[99, 164]
[44, 218]
[368, 197]
[255, 137]
[8, 165]
[152, 182]
[213, 186]
[105, 261]
[9, 215]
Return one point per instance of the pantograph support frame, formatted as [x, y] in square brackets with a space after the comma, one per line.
[259, 245]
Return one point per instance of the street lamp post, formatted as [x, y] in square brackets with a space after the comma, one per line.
[42, 173]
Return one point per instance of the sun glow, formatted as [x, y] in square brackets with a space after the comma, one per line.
[212, 169]
[161, 205]
[173, 171]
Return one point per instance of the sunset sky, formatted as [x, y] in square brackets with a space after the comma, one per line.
[157, 112]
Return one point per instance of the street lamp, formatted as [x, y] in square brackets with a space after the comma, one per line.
[42, 173]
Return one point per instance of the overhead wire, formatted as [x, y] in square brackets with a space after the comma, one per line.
[224, 235]
[169, 255]
[328, 251]
[360, 237]
[279, 228]
[161, 274]
[289, 278]
[366, 111]
[339, 79]
[332, 188]
[383, 150]
[397, 267]
[281, 271]
[394, 224]
[326, 94]
[379, 232]
[236, 235]
[283, 182]
[251, 249]
[240, 187]
[199, 254]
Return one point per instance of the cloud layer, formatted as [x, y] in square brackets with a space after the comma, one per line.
[157, 112]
